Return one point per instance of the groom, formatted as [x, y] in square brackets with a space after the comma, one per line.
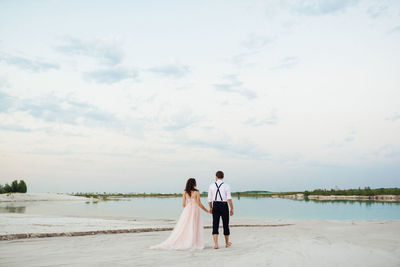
[219, 195]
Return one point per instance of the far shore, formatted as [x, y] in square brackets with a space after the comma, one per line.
[254, 194]
[360, 195]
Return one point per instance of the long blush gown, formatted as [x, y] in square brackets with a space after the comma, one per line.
[188, 231]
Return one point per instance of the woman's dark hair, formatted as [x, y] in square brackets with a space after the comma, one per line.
[190, 186]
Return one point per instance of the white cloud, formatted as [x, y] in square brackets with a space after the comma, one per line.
[104, 51]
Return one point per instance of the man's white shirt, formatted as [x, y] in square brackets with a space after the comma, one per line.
[224, 189]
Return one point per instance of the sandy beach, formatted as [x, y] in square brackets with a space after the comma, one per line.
[304, 243]
[17, 197]
[123, 241]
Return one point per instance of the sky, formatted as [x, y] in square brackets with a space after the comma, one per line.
[139, 96]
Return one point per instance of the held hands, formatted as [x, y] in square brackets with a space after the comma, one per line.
[210, 211]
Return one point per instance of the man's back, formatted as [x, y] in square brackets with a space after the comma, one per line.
[224, 191]
[219, 195]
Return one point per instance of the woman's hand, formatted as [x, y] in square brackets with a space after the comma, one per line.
[206, 210]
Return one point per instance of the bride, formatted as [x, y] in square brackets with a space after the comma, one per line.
[188, 231]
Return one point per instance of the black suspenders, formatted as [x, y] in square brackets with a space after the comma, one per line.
[218, 192]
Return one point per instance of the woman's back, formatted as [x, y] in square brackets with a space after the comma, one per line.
[188, 231]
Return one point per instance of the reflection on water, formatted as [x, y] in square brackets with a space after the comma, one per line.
[12, 209]
[245, 207]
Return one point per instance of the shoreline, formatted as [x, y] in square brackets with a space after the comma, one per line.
[121, 231]
[376, 198]
[21, 197]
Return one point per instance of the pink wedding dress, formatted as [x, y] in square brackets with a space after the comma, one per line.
[188, 231]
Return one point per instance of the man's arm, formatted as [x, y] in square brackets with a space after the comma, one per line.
[231, 205]
[229, 197]
[210, 199]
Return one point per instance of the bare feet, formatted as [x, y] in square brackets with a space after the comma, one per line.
[228, 244]
[216, 247]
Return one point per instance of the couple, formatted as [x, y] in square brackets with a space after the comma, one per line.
[188, 231]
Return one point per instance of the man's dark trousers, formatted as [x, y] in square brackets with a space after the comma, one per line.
[220, 209]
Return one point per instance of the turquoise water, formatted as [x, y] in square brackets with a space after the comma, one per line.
[170, 208]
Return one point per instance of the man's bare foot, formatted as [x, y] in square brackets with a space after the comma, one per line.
[216, 247]
[228, 244]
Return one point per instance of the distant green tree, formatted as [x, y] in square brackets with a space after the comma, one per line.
[14, 186]
[367, 191]
[7, 188]
[22, 188]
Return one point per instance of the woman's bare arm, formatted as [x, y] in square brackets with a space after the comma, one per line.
[199, 202]
[184, 199]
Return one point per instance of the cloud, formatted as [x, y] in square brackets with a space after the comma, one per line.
[233, 85]
[110, 76]
[321, 164]
[244, 149]
[240, 58]
[291, 158]
[14, 128]
[53, 109]
[107, 53]
[3, 83]
[270, 119]
[388, 151]
[334, 144]
[32, 65]
[6, 102]
[286, 63]
[395, 30]
[171, 70]
[349, 138]
[376, 11]
[252, 45]
[320, 7]
[255, 42]
[393, 117]
[181, 120]
[53, 152]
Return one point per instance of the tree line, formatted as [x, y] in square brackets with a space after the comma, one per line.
[15, 187]
[366, 191]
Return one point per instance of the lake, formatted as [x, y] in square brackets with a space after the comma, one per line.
[170, 208]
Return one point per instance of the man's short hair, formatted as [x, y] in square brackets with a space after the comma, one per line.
[220, 175]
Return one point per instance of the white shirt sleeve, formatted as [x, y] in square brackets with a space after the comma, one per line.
[228, 192]
[210, 199]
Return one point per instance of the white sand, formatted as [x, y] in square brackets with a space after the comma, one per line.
[11, 223]
[306, 243]
[11, 197]
[16, 223]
